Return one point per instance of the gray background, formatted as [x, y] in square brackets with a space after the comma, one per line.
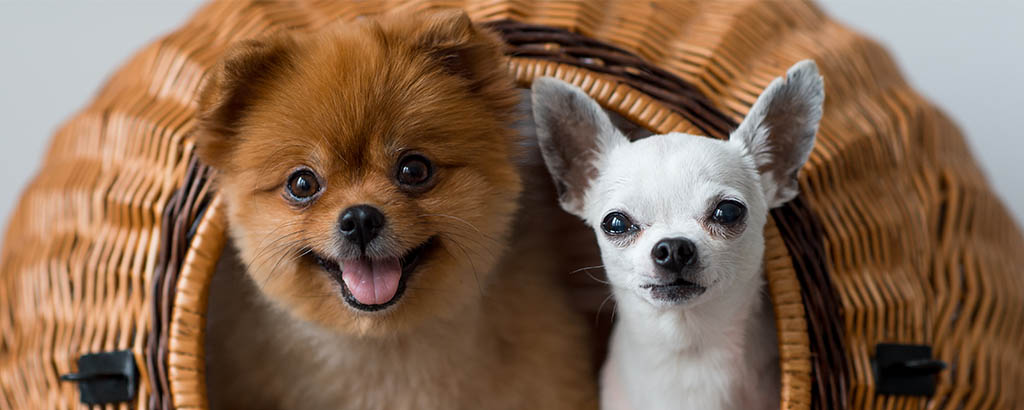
[964, 55]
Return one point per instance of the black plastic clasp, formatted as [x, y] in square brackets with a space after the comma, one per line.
[108, 377]
[906, 369]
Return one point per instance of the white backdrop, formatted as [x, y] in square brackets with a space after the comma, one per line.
[965, 55]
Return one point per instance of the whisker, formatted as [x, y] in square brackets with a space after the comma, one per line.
[257, 261]
[587, 271]
[458, 235]
[471, 264]
[586, 268]
[268, 235]
[281, 253]
[273, 245]
[286, 252]
[275, 241]
[463, 221]
[300, 255]
[597, 317]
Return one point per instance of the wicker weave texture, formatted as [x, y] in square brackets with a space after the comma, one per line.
[917, 246]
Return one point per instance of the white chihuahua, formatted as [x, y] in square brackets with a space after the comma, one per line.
[680, 219]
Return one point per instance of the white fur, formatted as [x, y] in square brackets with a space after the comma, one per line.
[716, 350]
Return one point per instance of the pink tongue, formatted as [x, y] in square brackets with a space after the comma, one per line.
[372, 282]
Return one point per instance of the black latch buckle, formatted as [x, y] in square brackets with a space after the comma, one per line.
[906, 369]
[108, 377]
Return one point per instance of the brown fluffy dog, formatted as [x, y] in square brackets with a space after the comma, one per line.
[371, 182]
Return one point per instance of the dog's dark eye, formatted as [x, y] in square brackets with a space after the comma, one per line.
[414, 170]
[303, 185]
[728, 212]
[617, 223]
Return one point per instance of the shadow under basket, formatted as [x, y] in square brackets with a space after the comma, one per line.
[896, 276]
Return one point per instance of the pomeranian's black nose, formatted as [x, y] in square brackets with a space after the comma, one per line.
[360, 224]
[674, 254]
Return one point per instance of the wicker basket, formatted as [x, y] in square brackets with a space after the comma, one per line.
[896, 238]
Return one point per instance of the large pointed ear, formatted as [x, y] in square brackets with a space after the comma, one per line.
[573, 132]
[779, 130]
[231, 88]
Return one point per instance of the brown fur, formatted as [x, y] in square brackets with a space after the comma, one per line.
[478, 326]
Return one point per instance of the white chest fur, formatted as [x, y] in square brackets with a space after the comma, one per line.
[692, 360]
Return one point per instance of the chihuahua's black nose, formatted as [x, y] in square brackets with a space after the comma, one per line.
[674, 254]
[360, 224]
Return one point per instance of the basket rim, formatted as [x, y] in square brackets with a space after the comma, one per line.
[619, 81]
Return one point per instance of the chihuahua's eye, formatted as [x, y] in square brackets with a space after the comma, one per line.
[728, 212]
[414, 170]
[617, 223]
[303, 185]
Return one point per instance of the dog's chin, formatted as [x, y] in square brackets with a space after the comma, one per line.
[676, 292]
[411, 260]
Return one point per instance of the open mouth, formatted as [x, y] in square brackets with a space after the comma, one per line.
[675, 291]
[374, 284]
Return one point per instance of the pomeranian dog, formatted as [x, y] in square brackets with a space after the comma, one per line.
[371, 184]
[679, 220]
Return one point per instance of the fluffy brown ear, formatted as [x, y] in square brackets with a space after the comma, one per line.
[450, 37]
[231, 88]
[445, 32]
[462, 49]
